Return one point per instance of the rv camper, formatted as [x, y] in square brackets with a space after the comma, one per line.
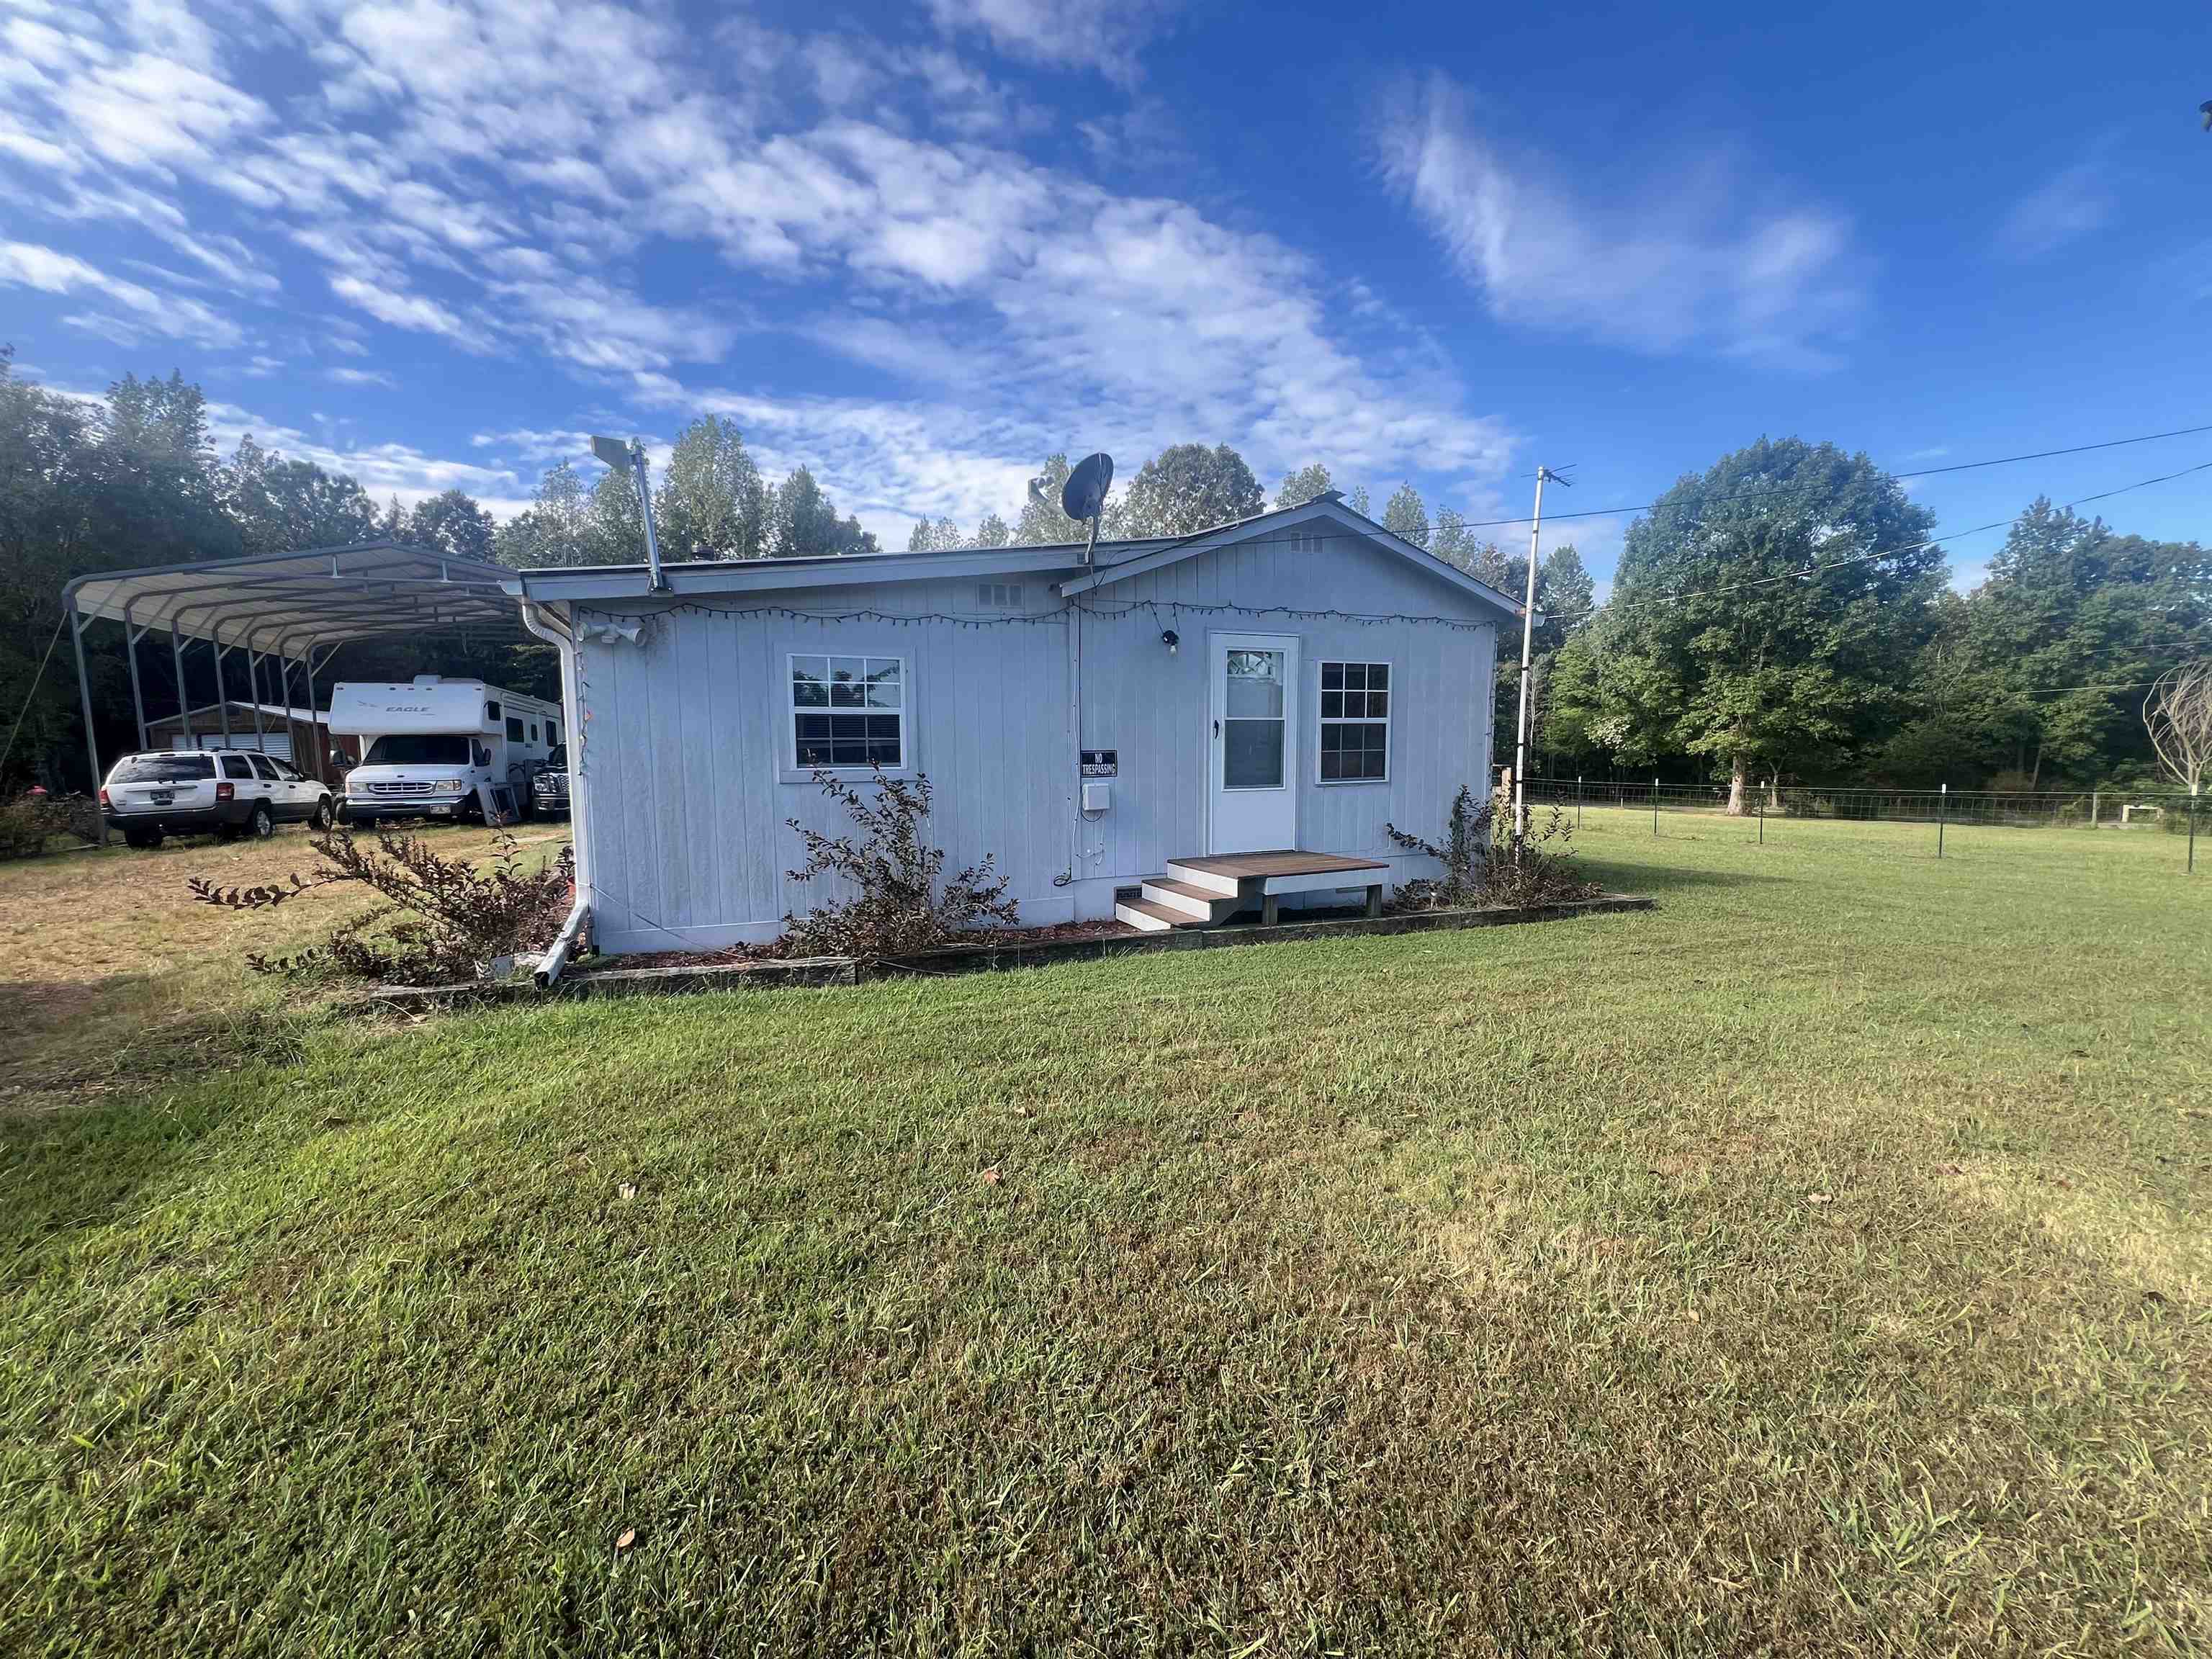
[439, 748]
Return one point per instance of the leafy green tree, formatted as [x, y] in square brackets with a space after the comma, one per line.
[1404, 517]
[1185, 488]
[453, 522]
[278, 505]
[614, 529]
[993, 532]
[1302, 486]
[803, 523]
[2033, 676]
[1765, 615]
[1042, 524]
[1454, 543]
[1356, 499]
[555, 529]
[712, 503]
[937, 537]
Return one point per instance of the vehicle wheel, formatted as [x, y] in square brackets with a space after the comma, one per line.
[326, 815]
[227, 831]
[141, 839]
[263, 824]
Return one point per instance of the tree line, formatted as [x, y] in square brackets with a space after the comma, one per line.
[1782, 615]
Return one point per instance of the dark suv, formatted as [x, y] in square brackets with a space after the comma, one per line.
[548, 785]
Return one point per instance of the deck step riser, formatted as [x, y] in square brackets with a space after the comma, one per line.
[1148, 917]
[1210, 909]
[1227, 886]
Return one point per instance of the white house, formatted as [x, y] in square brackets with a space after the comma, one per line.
[1294, 681]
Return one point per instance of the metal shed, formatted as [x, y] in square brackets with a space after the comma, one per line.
[284, 611]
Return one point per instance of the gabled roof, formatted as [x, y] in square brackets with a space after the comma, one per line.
[1112, 561]
[1321, 509]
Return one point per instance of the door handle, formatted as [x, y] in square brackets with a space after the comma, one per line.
[1216, 728]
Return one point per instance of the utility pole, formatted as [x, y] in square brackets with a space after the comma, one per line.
[1527, 645]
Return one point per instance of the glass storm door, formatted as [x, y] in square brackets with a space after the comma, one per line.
[1252, 797]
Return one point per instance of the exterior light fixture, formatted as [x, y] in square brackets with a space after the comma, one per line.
[1170, 639]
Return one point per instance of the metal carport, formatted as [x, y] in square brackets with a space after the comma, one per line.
[286, 609]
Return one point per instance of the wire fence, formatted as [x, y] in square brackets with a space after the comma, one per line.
[2137, 811]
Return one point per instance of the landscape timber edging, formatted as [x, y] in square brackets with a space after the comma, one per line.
[963, 958]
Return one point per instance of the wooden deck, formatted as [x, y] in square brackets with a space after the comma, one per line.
[1205, 891]
[1286, 861]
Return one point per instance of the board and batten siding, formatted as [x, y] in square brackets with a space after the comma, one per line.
[684, 737]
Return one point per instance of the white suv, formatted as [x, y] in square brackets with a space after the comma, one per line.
[229, 790]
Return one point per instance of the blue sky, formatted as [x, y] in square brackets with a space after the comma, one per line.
[436, 242]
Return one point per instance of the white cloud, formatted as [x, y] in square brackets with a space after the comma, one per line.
[1104, 38]
[511, 178]
[360, 377]
[173, 316]
[1679, 268]
[382, 469]
[2070, 204]
[409, 311]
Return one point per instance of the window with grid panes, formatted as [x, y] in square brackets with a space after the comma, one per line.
[848, 711]
[1355, 722]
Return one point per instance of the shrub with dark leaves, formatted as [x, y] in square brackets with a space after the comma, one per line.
[898, 906]
[29, 823]
[441, 921]
[1482, 869]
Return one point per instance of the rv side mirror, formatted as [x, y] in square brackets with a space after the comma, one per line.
[484, 756]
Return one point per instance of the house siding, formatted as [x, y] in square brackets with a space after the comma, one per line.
[684, 733]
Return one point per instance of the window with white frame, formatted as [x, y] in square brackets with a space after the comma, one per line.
[848, 711]
[998, 596]
[1355, 722]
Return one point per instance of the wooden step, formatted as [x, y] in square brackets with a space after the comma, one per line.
[1281, 870]
[1152, 918]
[1192, 872]
[1199, 904]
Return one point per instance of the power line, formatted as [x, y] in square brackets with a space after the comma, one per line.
[1924, 472]
[1865, 558]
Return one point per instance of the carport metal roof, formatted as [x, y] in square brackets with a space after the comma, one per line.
[283, 605]
[281, 609]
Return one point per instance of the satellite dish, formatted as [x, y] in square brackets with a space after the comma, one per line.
[1084, 495]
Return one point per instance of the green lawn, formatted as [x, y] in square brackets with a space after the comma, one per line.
[1818, 1263]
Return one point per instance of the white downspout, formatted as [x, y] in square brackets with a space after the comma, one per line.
[555, 630]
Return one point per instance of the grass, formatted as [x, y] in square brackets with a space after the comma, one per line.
[1818, 1263]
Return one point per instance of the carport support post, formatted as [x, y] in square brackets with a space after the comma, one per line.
[2192, 827]
[253, 693]
[1578, 800]
[222, 693]
[314, 727]
[130, 638]
[1655, 809]
[184, 706]
[1943, 812]
[84, 702]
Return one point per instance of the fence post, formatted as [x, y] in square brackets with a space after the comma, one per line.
[2192, 829]
[1578, 800]
[1762, 816]
[1943, 812]
[1655, 810]
[2094, 796]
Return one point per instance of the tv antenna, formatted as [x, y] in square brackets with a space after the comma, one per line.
[1083, 498]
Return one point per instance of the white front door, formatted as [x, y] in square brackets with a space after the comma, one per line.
[1252, 764]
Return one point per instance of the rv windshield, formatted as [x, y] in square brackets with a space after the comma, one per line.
[418, 748]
